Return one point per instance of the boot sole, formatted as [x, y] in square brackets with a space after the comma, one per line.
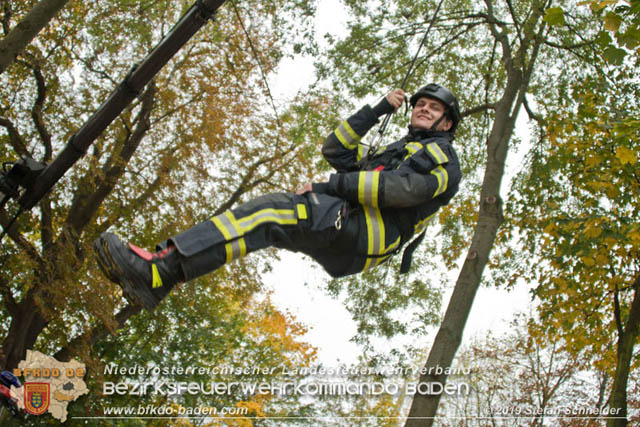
[112, 270]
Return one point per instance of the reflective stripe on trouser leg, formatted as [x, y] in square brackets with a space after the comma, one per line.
[257, 224]
[227, 225]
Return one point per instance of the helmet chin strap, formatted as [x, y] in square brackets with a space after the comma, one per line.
[437, 122]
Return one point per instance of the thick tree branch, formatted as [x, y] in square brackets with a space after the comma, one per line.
[500, 36]
[21, 35]
[6, 17]
[10, 302]
[22, 243]
[36, 111]
[85, 205]
[627, 337]
[616, 312]
[16, 141]
[478, 109]
[46, 235]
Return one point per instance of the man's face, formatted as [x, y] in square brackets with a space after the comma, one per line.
[426, 112]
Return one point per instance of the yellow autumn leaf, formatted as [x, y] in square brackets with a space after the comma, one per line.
[612, 22]
[593, 160]
[588, 261]
[610, 242]
[550, 228]
[635, 236]
[593, 229]
[626, 155]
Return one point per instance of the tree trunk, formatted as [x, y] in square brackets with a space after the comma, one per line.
[626, 341]
[22, 34]
[519, 66]
[23, 332]
[449, 336]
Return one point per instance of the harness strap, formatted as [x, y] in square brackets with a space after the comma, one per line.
[408, 253]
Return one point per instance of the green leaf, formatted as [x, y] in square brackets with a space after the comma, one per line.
[630, 38]
[603, 39]
[554, 16]
[614, 56]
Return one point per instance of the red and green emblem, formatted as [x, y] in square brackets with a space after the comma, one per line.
[36, 398]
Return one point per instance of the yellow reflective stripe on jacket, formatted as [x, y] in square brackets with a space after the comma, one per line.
[347, 136]
[443, 179]
[420, 226]
[362, 151]
[375, 234]
[412, 148]
[376, 238]
[368, 183]
[437, 153]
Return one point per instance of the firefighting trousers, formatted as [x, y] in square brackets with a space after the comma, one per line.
[343, 240]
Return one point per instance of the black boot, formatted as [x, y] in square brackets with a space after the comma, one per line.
[145, 277]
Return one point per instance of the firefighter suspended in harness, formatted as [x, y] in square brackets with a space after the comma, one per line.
[357, 220]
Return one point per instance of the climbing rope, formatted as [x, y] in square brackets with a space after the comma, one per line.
[254, 52]
[387, 118]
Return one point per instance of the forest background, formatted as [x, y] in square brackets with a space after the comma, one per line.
[206, 134]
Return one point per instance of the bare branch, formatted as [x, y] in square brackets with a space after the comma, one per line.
[531, 113]
[21, 242]
[36, 111]
[499, 35]
[515, 20]
[89, 66]
[478, 109]
[569, 47]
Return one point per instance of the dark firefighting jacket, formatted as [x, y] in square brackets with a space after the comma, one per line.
[402, 185]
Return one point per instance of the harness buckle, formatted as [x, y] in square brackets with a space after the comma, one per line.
[338, 223]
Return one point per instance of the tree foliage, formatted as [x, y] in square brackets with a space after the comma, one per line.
[576, 207]
[200, 138]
